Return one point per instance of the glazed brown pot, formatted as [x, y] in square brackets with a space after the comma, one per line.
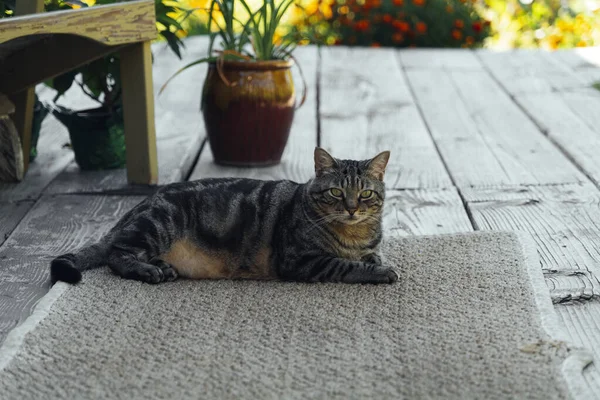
[248, 108]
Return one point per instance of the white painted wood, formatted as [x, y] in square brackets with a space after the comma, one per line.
[585, 103]
[424, 212]
[529, 71]
[564, 221]
[582, 322]
[584, 62]
[366, 109]
[470, 158]
[297, 159]
[556, 118]
[516, 141]
[179, 127]
[439, 58]
[483, 137]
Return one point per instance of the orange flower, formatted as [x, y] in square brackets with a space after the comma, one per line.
[421, 27]
[362, 25]
[418, 2]
[459, 23]
[456, 34]
[469, 40]
[477, 26]
[375, 44]
[387, 18]
[397, 37]
[449, 9]
[398, 2]
[401, 26]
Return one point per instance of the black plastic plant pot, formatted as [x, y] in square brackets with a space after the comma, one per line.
[97, 136]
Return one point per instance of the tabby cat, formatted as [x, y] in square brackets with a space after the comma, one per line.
[327, 229]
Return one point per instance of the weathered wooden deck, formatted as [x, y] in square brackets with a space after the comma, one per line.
[479, 141]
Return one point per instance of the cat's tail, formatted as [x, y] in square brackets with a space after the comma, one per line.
[68, 267]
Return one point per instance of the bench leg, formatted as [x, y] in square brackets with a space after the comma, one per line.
[23, 120]
[138, 114]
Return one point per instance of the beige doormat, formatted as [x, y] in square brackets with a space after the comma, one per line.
[469, 318]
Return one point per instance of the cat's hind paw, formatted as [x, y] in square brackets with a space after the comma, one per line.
[168, 272]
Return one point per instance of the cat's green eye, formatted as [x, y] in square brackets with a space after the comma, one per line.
[335, 192]
[365, 194]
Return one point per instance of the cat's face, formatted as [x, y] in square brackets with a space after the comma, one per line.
[348, 191]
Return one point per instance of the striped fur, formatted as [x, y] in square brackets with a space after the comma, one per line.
[322, 230]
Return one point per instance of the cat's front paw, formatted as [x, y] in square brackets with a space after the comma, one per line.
[391, 275]
[372, 258]
[383, 275]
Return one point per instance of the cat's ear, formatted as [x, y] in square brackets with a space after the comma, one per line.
[377, 165]
[324, 162]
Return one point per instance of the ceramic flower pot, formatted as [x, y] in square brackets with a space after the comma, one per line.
[97, 137]
[248, 108]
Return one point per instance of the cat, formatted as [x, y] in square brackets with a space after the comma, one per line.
[325, 230]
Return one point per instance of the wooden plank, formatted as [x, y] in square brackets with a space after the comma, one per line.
[297, 160]
[584, 62]
[24, 7]
[564, 222]
[10, 215]
[54, 226]
[138, 114]
[24, 102]
[515, 139]
[557, 119]
[484, 138]
[469, 155]
[424, 212]
[52, 158]
[179, 127]
[439, 58]
[60, 53]
[582, 324]
[367, 107]
[113, 24]
[24, 97]
[529, 71]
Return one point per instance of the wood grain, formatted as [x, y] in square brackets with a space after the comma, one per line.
[584, 62]
[582, 323]
[138, 114]
[529, 71]
[515, 139]
[483, 137]
[564, 222]
[367, 107]
[439, 59]
[63, 53]
[52, 158]
[179, 127]
[113, 24]
[559, 120]
[54, 226]
[424, 212]
[10, 215]
[296, 162]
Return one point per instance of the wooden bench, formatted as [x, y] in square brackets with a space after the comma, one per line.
[35, 46]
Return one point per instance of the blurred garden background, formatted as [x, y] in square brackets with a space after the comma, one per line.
[497, 24]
